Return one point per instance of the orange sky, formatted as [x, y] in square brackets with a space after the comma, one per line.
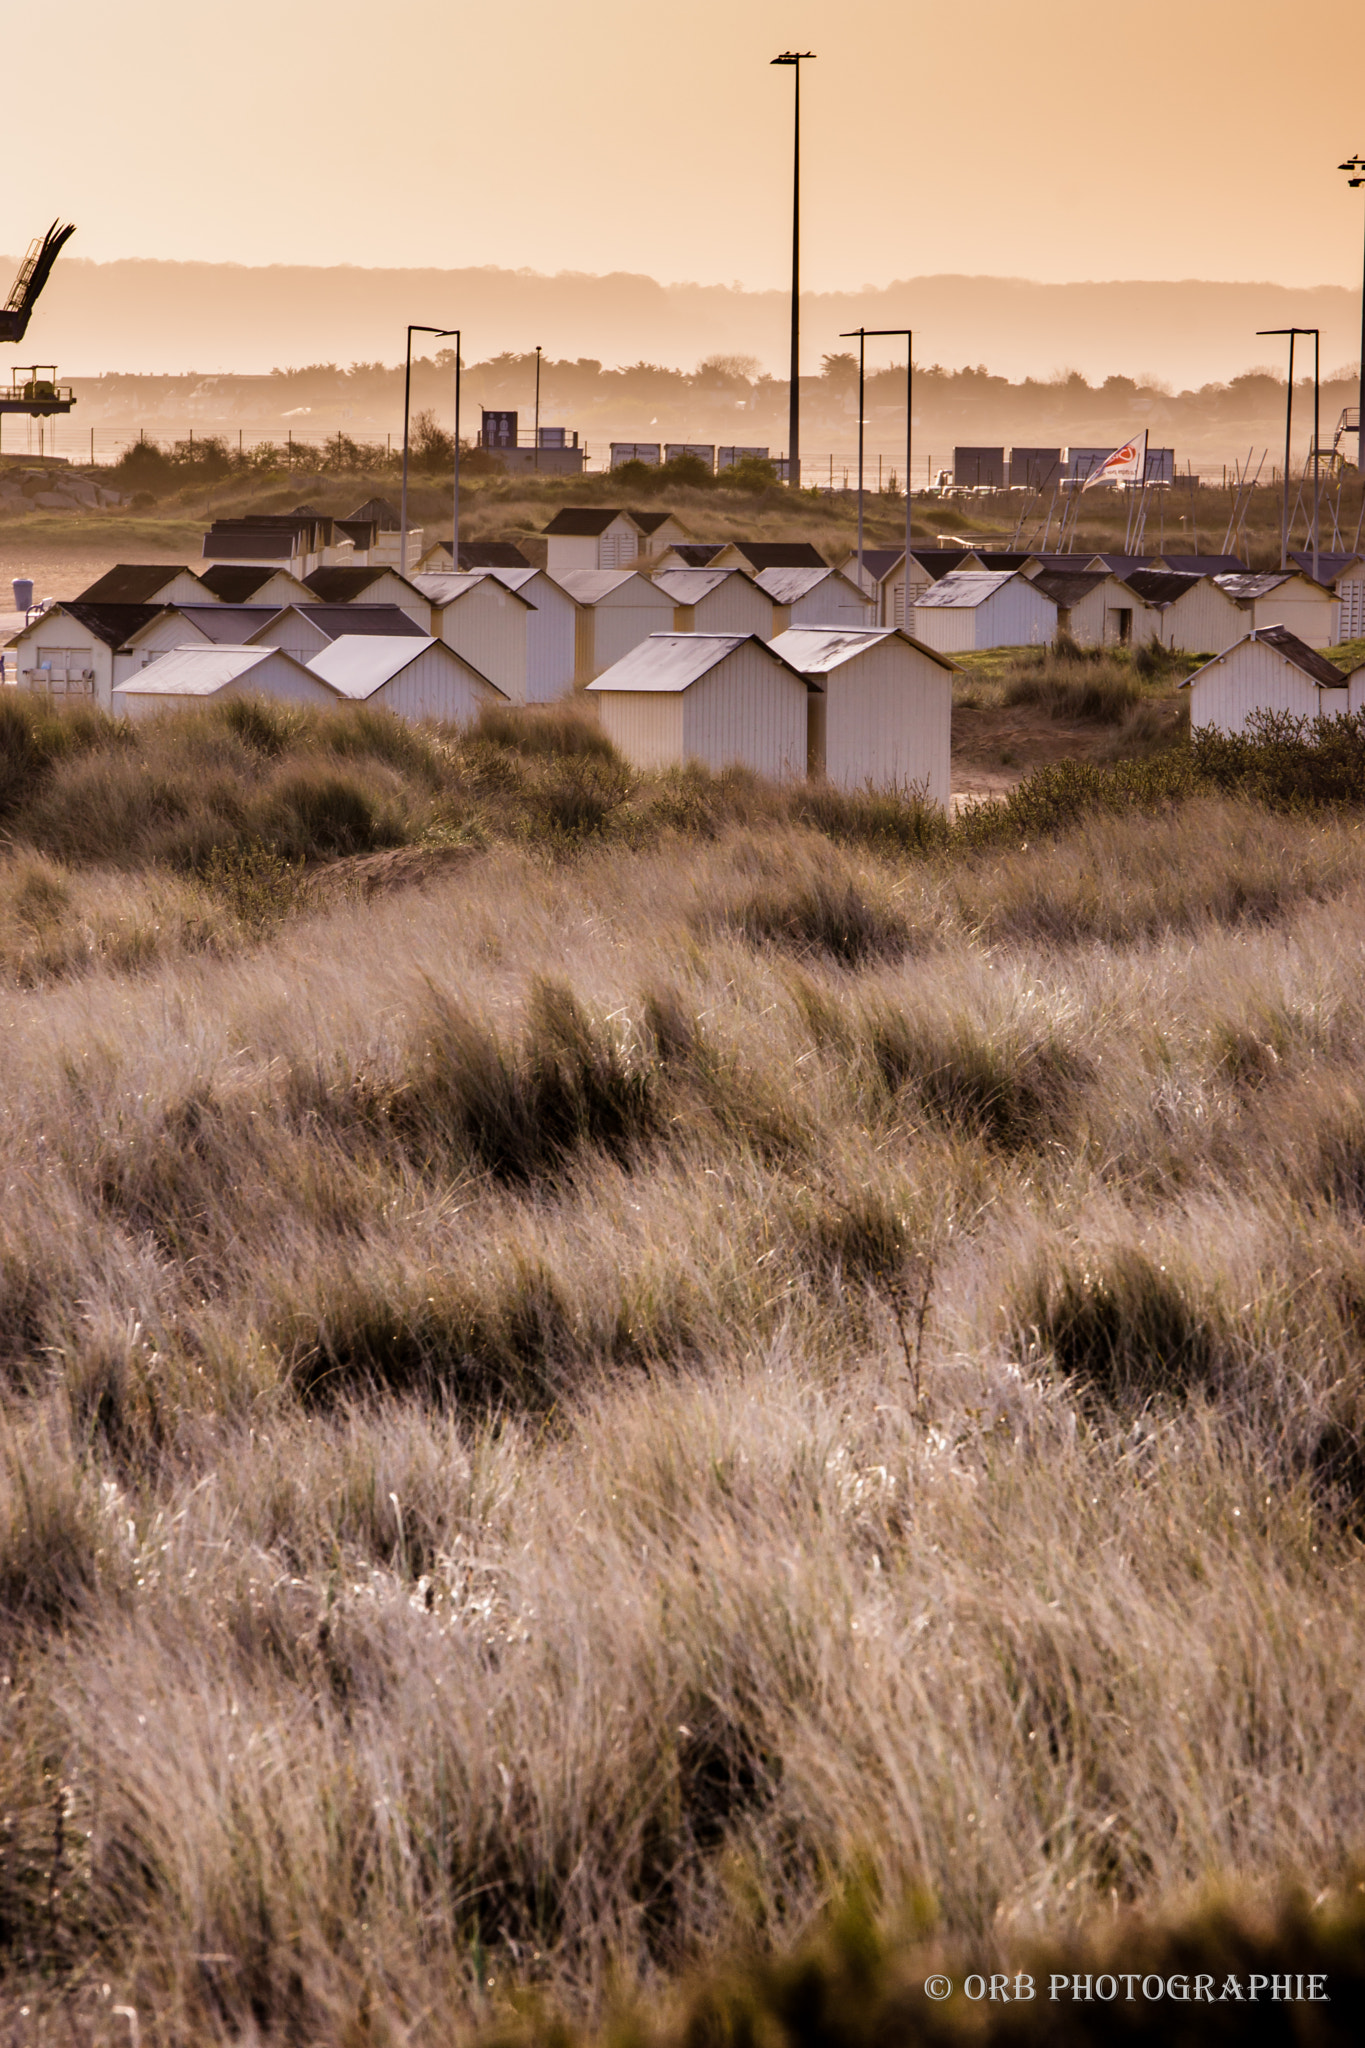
[1054, 140]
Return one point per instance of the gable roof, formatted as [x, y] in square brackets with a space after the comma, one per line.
[786, 586]
[133, 583]
[257, 543]
[230, 625]
[815, 650]
[1161, 586]
[1007, 558]
[690, 586]
[376, 512]
[650, 522]
[237, 582]
[345, 584]
[780, 554]
[672, 662]
[1295, 651]
[698, 553]
[878, 563]
[944, 561]
[1123, 565]
[1067, 587]
[587, 521]
[388, 621]
[199, 671]
[443, 586]
[356, 665]
[1246, 588]
[111, 623]
[1330, 567]
[968, 587]
[1208, 565]
[590, 586]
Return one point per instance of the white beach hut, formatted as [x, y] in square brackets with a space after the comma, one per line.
[186, 676]
[717, 698]
[885, 719]
[976, 608]
[716, 601]
[614, 610]
[418, 678]
[1270, 670]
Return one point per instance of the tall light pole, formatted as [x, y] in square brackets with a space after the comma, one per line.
[536, 464]
[441, 333]
[893, 334]
[860, 335]
[1288, 421]
[796, 58]
[1356, 164]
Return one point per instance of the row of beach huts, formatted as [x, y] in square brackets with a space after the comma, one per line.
[752, 652]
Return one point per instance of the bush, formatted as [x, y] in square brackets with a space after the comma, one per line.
[1123, 1328]
[316, 816]
[1089, 685]
[825, 914]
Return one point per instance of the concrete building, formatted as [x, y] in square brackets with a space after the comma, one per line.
[1344, 576]
[591, 537]
[1270, 670]
[416, 678]
[977, 608]
[1284, 598]
[148, 583]
[815, 597]
[716, 601]
[371, 585]
[614, 610]
[886, 716]
[186, 676]
[722, 699]
[486, 622]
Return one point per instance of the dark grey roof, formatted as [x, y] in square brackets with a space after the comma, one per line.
[113, 623]
[1329, 566]
[492, 554]
[1121, 565]
[1004, 558]
[1293, 649]
[344, 585]
[1066, 587]
[649, 522]
[941, 561]
[234, 582]
[1207, 565]
[131, 583]
[377, 512]
[780, 554]
[699, 554]
[255, 544]
[362, 533]
[337, 619]
[586, 521]
[230, 625]
[1160, 586]
[877, 562]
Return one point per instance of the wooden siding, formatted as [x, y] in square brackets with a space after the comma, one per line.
[295, 633]
[1204, 621]
[549, 640]
[1309, 614]
[487, 625]
[621, 621]
[734, 606]
[434, 686]
[835, 601]
[748, 710]
[1256, 677]
[646, 725]
[889, 721]
[1351, 594]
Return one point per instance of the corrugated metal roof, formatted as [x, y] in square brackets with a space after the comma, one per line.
[358, 664]
[1294, 650]
[516, 579]
[198, 671]
[1208, 565]
[444, 587]
[814, 650]
[1245, 587]
[966, 587]
[690, 586]
[671, 662]
[586, 521]
[590, 586]
[338, 619]
[786, 586]
[132, 583]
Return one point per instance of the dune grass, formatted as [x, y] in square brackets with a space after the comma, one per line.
[753, 1394]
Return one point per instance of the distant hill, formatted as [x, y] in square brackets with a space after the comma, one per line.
[140, 315]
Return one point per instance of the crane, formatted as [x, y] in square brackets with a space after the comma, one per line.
[34, 390]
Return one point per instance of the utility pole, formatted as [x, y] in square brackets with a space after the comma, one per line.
[536, 464]
[1292, 332]
[1356, 164]
[796, 58]
[440, 333]
[861, 335]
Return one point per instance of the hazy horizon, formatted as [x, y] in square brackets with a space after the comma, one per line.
[142, 316]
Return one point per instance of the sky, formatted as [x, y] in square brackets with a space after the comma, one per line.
[1056, 140]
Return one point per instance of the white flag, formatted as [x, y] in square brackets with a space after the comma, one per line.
[1127, 465]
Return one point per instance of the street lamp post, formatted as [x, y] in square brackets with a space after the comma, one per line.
[1288, 421]
[892, 334]
[441, 333]
[796, 58]
[1356, 164]
[536, 463]
[860, 334]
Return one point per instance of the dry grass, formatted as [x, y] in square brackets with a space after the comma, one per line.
[557, 1421]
